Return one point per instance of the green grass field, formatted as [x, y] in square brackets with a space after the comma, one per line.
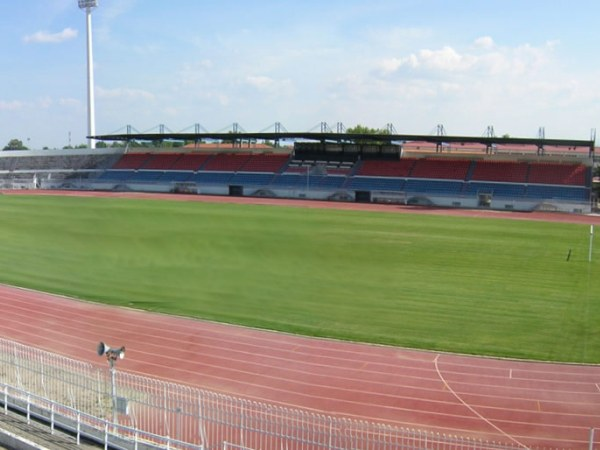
[481, 286]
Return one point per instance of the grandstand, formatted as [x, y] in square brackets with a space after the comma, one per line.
[504, 176]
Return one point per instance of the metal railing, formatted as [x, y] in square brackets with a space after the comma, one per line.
[82, 425]
[181, 417]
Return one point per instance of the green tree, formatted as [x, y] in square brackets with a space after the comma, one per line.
[361, 129]
[15, 144]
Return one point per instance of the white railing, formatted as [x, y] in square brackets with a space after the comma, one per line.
[82, 425]
[140, 409]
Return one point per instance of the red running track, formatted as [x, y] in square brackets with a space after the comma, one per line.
[522, 403]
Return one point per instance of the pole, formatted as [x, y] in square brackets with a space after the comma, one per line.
[113, 391]
[591, 243]
[591, 439]
[90, 79]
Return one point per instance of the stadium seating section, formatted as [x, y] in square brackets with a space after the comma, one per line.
[552, 173]
[401, 168]
[190, 161]
[428, 175]
[440, 168]
[506, 171]
[132, 161]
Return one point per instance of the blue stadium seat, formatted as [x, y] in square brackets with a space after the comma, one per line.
[508, 190]
[375, 184]
[546, 192]
[116, 175]
[176, 176]
[251, 179]
[212, 177]
[433, 186]
[146, 176]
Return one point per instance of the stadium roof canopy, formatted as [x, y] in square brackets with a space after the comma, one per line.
[333, 137]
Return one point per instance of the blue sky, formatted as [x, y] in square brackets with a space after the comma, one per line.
[516, 65]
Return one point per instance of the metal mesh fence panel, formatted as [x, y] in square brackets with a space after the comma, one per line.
[188, 417]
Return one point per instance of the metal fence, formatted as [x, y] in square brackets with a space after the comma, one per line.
[182, 417]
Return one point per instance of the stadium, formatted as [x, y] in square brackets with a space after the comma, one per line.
[363, 246]
[330, 290]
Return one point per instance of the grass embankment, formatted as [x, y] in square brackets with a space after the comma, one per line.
[482, 286]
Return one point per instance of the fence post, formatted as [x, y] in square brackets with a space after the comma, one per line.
[99, 390]
[201, 429]
[165, 411]
[78, 428]
[28, 409]
[330, 432]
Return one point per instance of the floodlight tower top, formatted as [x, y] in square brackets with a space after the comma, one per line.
[88, 4]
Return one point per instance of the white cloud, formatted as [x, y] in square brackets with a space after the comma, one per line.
[69, 102]
[44, 102]
[484, 42]
[124, 93]
[12, 105]
[260, 82]
[488, 60]
[269, 85]
[445, 59]
[43, 37]
[17, 105]
[391, 65]
[479, 84]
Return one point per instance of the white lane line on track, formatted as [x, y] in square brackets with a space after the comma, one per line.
[343, 378]
[321, 365]
[148, 319]
[502, 432]
[260, 345]
[263, 342]
[222, 337]
[225, 331]
[238, 356]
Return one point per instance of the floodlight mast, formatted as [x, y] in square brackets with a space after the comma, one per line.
[88, 5]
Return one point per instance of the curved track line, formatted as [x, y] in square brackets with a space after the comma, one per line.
[458, 397]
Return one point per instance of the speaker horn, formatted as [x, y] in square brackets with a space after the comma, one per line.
[102, 348]
[111, 353]
[118, 352]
